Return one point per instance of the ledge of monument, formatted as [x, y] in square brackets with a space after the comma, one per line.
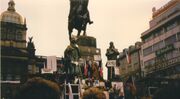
[88, 51]
[87, 41]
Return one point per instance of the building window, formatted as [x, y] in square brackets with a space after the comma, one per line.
[169, 55]
[149, 63]
[170, 40]
[158, 32]
[134, 57]
[9, 77]
[17, 77]
[158, 46]
[176, 53]
[3, 33]
[147, 51]
[10, 36]
[149, 38]
[3, 36]
[172, 54]
[19, 36]
[171, 26]
[178, 36]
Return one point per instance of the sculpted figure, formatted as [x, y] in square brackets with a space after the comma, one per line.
[71, 56]
[31, 48]
[78, 16]
[112, 52]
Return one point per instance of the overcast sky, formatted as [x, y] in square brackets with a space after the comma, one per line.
[120, 21]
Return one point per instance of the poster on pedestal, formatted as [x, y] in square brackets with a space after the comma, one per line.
[111, 63]
[116, 69]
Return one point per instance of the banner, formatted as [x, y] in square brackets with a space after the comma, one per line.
[97, 57]
[116, 69]
[111, 63]
[51, 65]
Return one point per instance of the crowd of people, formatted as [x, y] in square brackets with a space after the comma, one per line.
[40, 88]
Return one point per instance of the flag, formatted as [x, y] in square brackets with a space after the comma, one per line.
[85, 69]
[128, 57]
[101, 71]
[70, 91]
[116, 70]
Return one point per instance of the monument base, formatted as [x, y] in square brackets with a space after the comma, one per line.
[87, 46]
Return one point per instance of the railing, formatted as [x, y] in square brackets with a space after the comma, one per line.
[163, 65]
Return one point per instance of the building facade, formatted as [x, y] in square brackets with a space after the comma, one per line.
[161, 43]
[129, 60]
[14, 54]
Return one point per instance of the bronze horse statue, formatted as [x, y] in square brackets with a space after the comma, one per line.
[78, 16]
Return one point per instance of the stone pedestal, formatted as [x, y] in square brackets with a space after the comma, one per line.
[87, 46]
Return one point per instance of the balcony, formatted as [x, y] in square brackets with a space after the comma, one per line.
[162, 65]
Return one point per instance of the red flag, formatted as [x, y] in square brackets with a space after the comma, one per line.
[128, 57]
[85, 69]
[101, 71]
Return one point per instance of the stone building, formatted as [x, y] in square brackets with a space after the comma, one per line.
[14, 54]
[129, 60]
[161, 42]
[161, 48]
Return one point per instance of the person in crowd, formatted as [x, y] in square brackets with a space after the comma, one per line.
[171, 91]
[38, 88]
[93, 93]
[130, 89]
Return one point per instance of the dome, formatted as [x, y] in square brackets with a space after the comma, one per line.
[11, 15]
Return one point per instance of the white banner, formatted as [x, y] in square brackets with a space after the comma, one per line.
[51, 65]
[97, 57]
[116, 70]
[111, 63]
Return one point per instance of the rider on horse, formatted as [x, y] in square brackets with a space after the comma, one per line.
[78, 16]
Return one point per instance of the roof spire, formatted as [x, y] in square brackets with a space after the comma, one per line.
[11, 6]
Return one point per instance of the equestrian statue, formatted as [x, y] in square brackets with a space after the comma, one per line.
[78, 16]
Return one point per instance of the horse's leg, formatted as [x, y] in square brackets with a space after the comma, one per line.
[84, 33]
